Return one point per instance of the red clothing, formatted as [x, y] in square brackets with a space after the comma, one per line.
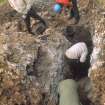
[64, 2]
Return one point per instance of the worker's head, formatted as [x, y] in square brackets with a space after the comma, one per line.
[57, 8]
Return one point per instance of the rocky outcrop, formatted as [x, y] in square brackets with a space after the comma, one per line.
[96, 72]
[51, 65]
[31, 65]
[16, 87]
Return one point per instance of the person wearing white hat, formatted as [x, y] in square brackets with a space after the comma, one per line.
[26, 8]
[77, 58]
[78, 51]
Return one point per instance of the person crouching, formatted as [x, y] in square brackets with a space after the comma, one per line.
[77, 56]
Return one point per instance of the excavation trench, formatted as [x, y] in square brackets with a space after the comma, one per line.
[43, 60]
[51, 66]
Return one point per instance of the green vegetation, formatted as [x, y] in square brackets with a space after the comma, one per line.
[2, 1]
[102, 2]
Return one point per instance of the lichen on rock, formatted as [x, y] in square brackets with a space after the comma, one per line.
[16, 87]
[96, 72]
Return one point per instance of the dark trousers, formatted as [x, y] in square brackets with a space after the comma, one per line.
[74, 11]
[78, 69]
[32, 13]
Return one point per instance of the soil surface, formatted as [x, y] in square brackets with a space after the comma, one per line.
[23, 49]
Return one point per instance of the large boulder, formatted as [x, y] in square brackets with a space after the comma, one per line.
[51, 64]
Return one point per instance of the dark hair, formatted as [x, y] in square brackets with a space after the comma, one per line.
[69, 31]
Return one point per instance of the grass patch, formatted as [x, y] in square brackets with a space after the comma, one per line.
[2, 2]
[101, 2]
